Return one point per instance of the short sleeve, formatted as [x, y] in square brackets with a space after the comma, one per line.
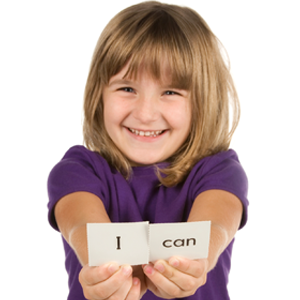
[79, 170]
[222, 171]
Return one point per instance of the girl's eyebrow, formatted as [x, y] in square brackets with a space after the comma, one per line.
[120, 81]
[174, 87]
[170, 86]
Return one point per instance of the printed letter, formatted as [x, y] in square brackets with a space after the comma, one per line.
[165, 245]
[118, 243]
[192, 239]
[180, 245]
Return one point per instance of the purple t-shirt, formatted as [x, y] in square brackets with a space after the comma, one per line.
[143, 199]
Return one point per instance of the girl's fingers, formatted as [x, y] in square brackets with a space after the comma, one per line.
[93, 275]
[105, 291]
[134, 293]
[102, 282]
[179, 277]
[195, 268]
[163, 286]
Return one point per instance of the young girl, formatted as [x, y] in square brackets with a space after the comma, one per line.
[157, 133]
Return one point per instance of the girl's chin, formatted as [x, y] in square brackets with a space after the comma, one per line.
[143, 163]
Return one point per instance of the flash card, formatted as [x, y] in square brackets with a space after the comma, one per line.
[138, 243]
[190, 240]
[124, 243]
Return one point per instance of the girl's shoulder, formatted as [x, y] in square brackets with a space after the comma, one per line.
[86, 158]
[224, 160]
[80, 152]
[80, 169]
[222, 171]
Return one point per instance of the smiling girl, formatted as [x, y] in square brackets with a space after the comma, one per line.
[157, 137]
[146, 118]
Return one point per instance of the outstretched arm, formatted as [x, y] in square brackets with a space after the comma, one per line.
[180, 277]
[224, 210]
[72, 213]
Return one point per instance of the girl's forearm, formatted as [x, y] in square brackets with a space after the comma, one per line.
[218, 242]
[72, 213]
[77, 240]
[224, 210]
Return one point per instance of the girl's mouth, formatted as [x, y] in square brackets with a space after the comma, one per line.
[147, 133]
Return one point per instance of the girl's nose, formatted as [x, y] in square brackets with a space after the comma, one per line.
[146, 110]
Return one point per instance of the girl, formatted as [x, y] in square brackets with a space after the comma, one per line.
[156, 127]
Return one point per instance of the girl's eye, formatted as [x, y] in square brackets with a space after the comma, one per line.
[171, 93]
[127, 89]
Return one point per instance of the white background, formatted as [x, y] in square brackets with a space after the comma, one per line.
[46, 47]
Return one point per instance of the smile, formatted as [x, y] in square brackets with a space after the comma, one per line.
[150, 133]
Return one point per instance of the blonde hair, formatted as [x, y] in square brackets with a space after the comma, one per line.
[148, 33]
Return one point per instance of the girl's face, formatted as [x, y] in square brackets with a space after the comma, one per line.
[148, 120]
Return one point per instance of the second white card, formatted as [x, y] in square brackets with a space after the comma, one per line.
[190, 240]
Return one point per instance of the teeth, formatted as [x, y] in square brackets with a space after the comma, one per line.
[146, 133]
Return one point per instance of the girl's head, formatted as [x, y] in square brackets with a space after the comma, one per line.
[175, 50]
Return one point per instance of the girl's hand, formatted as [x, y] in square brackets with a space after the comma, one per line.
[139, 273]
[179, 277]
[109, 282]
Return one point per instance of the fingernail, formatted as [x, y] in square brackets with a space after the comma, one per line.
[149, 270]
[136, 281]
[112, 268]
[126, 270]
[174, 262]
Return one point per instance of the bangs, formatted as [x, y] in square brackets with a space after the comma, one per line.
[154, 43]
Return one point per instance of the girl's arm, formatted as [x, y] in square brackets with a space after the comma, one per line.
[180, 277]
[72, 213]
[225, 212]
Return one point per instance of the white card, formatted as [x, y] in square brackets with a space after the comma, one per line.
[124, 243]
[190, 240]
